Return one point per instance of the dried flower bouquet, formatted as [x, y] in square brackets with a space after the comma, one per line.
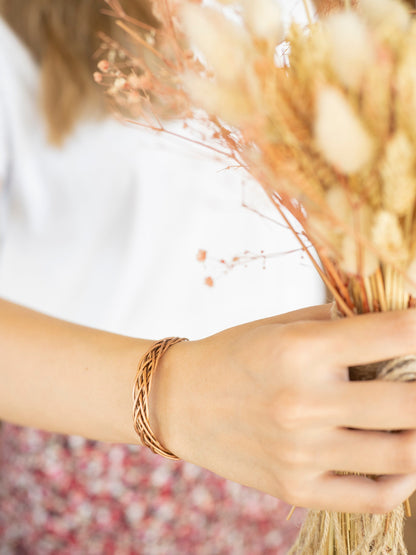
[327, 125]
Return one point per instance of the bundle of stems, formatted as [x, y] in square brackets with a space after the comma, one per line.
[324, 117]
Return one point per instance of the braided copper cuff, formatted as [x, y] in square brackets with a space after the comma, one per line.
[141, 390]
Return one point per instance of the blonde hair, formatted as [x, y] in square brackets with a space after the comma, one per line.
[62, 36]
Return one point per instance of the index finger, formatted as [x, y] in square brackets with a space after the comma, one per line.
[368, 338]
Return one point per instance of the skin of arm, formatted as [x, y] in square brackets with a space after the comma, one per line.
[267, 404]
[66, 378]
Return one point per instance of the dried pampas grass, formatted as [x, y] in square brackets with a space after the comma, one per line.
[351, 48]
[264, 20]
[223, 44]
[340, 134]
[386, 14]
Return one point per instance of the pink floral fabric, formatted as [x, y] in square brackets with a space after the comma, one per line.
[63, 495]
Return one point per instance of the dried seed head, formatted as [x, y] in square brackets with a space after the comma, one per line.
[340, 134]
[357, 259]
[383, 13]
[264, 20]
[397, 171]
[406, 87]
[224, 44]
[224, 101]
[339, 206]
[410, 282]
[351, 47]
[387, 235]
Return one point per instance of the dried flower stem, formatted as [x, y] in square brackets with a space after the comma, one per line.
[139, 39]
[307, 11]
[290, 514]
[340, 301]
[407, 508]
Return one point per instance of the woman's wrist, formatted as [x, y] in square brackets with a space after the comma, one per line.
[168, 397]
[147, 367]
[179, 396]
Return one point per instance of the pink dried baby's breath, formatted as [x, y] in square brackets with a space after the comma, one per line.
[103, 65]
[119, 83]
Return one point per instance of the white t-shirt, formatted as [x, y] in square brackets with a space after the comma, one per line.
[105, 231]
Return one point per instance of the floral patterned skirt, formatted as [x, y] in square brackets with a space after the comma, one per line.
[65, 495]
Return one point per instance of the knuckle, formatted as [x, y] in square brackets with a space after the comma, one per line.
[290, 408]
[294, 455]
[300, 344]
[292, 347]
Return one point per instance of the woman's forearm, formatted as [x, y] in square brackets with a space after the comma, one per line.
[66, 378]
[266, 404]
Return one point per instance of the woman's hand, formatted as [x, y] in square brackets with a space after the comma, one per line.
[269, 405]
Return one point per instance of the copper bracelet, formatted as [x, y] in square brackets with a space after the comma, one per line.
[142, 384]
